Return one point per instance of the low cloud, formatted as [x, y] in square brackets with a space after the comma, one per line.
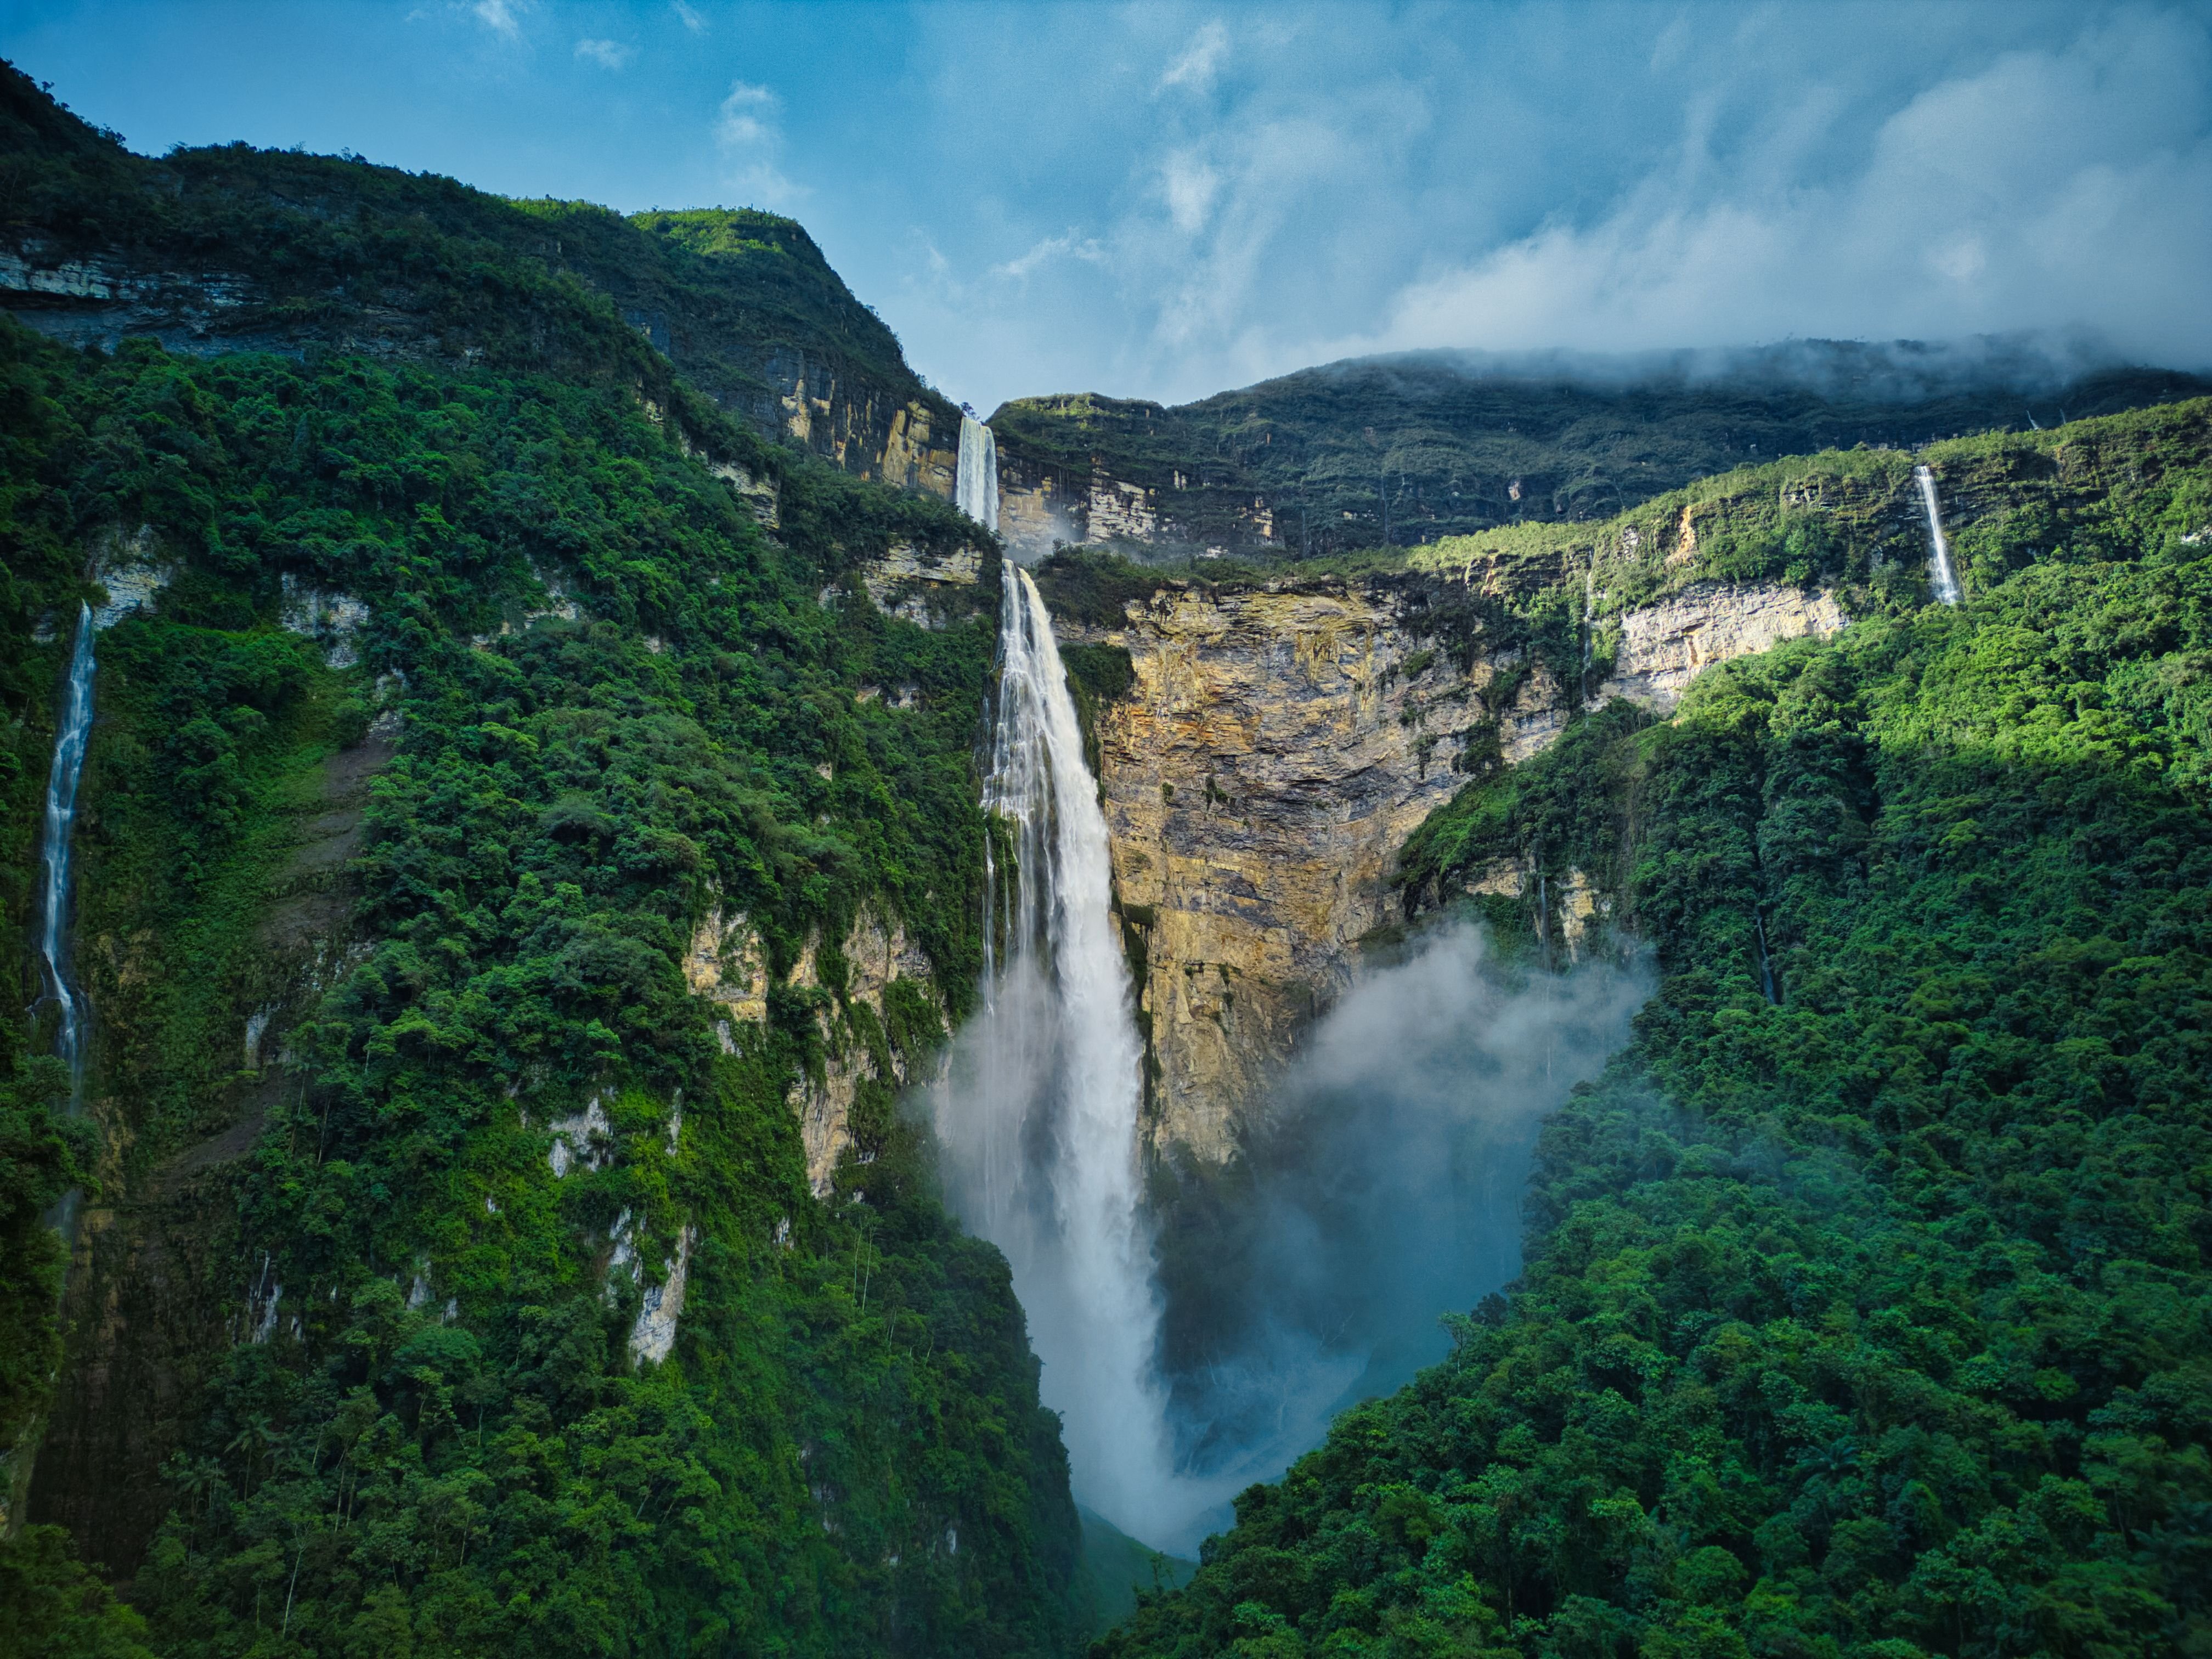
[1527, 176]
[688, 17]
[607, 54]
[2047, 190]
[1383, 1189]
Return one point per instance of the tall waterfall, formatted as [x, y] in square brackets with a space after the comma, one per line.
[975, 491]
[1038, 1115]
[75, 729]
[1939, 550]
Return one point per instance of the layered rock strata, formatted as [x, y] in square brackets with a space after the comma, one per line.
[1275, 749]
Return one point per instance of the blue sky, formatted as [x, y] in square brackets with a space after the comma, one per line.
[1166, 200]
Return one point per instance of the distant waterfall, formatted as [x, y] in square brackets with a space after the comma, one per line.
[1939, 550]
[1038, 1112]
[976, 491]
[75, 729]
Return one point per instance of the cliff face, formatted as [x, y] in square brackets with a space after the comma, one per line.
[1045, 502]
[1276, 748]
[159, 1287]
[1402, 451]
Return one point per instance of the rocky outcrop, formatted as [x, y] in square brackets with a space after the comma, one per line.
[866, 429]
[728, 964]
[928, 588]
[1664, 645]
[874, 426]
[1042, 505]
[1276, 747]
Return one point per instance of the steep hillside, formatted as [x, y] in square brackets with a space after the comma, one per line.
[1394, 451]
[1866, 1309]
[528, 835]
[231, 248]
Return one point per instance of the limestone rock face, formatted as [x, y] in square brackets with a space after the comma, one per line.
[1663, 646]
[1042, 505]
[727, 964]
[1275, 749]
[916, 584]
[1259, 777]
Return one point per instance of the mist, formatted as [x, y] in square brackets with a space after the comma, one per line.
[2030, 362]
[1383, 1189]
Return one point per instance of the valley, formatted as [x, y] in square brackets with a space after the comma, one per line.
[696, 1004]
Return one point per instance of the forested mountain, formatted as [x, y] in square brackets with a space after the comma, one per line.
[230, 248]
[531, 833]
[1866, 1309]
[442, 698]
[1394, 451]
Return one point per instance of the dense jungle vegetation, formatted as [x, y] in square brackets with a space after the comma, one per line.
[1395, 452]
[367, 1373]
[846, 1449]
[230, 247]
[1866, 1308]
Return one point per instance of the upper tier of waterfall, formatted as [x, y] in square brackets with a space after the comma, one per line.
[977, 489]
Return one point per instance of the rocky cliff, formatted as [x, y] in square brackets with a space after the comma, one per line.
[1403, 451]
[1278, 744]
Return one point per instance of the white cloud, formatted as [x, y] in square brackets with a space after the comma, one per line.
[1189, 185]
[746, 131]
[748, 115]
[2045, 189]
[607, 54]
[688, 16]
[500, 17]
[1072, 245]
[1199, 61]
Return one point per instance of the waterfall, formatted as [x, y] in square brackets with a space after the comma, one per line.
[1939, 550]
[1037, 1113]
[976, 490]
[76, 728]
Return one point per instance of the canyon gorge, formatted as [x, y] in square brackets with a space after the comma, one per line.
[679, 998]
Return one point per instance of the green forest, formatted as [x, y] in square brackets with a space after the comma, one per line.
[495, 641]
[846, 1446]
[1866, 1310]
[1394, 452]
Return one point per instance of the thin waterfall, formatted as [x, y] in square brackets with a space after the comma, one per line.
[1939, 550]
[1037, 1113]
[975, 491]
[74, 730]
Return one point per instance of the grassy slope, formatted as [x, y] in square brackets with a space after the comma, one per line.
[1871, 1318]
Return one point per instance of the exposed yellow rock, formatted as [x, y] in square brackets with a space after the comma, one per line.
[1268, 762]
[727, 965]
[914, 583]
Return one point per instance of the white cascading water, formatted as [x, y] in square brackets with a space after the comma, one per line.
[70, 741]
[1037, 1113]
[975, 488]
[1939, 549]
